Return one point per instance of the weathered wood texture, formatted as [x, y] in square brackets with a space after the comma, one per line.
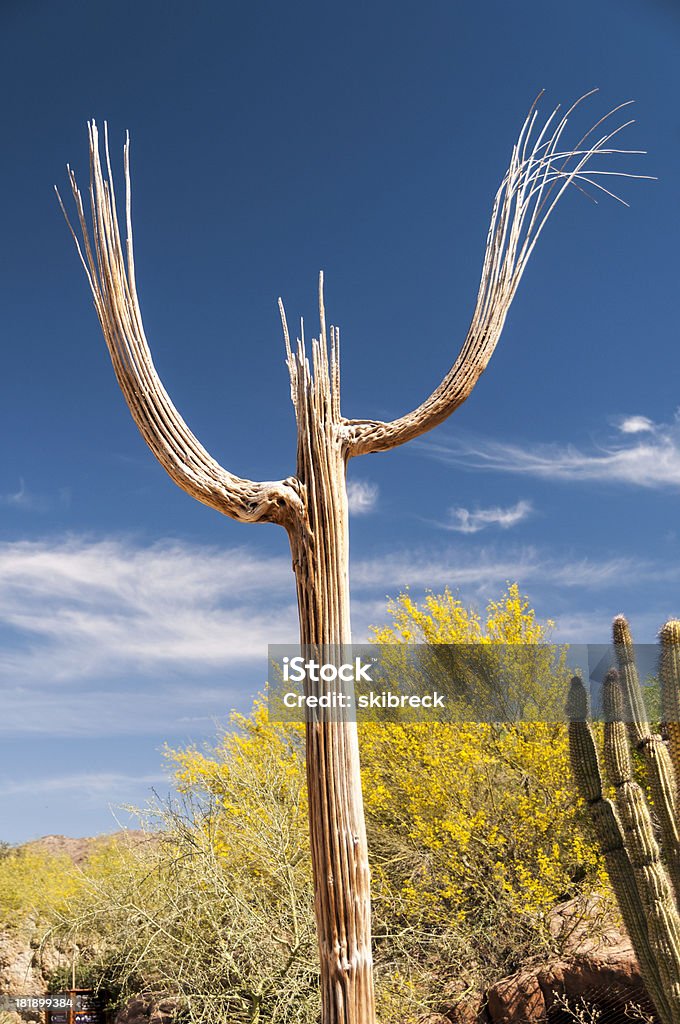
[320, 550]
[312, 504]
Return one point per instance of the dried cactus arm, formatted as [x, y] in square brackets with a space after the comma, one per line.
[165, 432]
[540, 171]
[366, 436]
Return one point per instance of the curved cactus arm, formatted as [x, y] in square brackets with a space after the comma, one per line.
[660, 772]
[115, 298]
[586, 770]
[669, 674]
[653, 883]
[540, 172]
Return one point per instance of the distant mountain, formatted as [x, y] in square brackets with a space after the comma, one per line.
[79, 849]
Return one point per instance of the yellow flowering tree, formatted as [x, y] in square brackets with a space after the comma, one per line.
[444, 619]
[469, 816]
[492, 668]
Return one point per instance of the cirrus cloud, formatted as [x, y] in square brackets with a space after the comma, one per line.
[646, 455]
[464, 520]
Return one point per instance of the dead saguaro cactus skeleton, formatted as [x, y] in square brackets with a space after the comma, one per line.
[312, 504]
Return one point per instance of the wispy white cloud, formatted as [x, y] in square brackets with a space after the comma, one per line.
[154, 708]
[464, 520]
[647, 454]
[113, 785]
[362, 497]
[96, 609]
[484, 570]
[636, 425]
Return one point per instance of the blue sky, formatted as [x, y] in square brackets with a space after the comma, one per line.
[270, 141]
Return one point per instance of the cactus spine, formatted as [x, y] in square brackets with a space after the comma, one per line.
[645, 875]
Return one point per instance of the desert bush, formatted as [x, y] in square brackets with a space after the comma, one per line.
[216, 907]
[473, 830]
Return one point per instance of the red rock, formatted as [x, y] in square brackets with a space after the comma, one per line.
[514, 999]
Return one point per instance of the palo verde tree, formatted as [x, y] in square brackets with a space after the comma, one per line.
[311, 505]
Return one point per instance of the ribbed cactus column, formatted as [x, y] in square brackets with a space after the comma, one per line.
[660, 773]
[653, 884]
[669, 673]
[586, 769]
[636, 714]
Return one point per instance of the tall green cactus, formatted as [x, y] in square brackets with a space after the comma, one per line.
[669, 672]
[660, 772]
[644, 872]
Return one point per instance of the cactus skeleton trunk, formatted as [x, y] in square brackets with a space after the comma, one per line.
[320, 552]
[312, 504]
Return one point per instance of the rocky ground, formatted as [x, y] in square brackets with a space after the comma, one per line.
[600, 973]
